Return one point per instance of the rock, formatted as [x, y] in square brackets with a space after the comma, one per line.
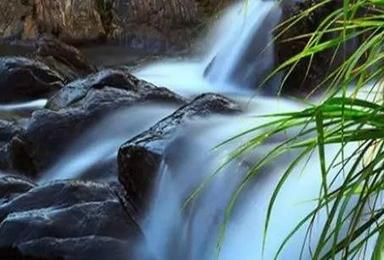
[146, 24]
[8, 130]
[69, 62]
[71, 21]
[302, 80]
[14, 19]
[75, 109]
[63, 58]
[155, 25]
[91, 247]
[57, 194]
[24, 79]
[139, 159]
[11, 186]
[118, 79]
[67, 219]
[15, 254]
[105, 218]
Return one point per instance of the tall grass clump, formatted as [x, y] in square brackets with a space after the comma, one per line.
[351, 113]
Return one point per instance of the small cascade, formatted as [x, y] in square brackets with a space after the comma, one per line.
[245, 55]
[191, 233]
[235, 64]
[97, 149]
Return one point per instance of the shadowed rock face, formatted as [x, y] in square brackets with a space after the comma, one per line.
[68, 61]
[303, 80]
[156, 25]
[65, 220]
[73, 21]
[24, 79]
[139, 159]
[12, 186]
[74, 109]
[13, 21]
[7, 131]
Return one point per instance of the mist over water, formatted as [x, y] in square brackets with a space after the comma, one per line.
[100, 144]
[238, 55]
[192, 233]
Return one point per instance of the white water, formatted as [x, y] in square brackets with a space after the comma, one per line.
[240, 29]
[228, 68]
[192, 235]
[100, 144]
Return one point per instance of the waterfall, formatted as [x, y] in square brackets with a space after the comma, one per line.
[238, 56]
[245, 54]
[232, 65]
[235, 64]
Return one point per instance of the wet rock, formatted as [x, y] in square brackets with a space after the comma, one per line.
[139, 159]
[69, 220]
[75, 93]
[24, 79]
[16, 254]
[57, 194]
[66, 60]
[102, 218]
[63, 58]
[75, 109]
[8, 130]
[91, 247]
[11, 186]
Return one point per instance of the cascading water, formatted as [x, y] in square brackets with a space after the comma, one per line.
[172, 233]
[175, 233]
[233, 65]
[100, 144]
[245, 54]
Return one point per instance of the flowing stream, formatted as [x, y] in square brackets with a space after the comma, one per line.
[232, 65]
[238, 56]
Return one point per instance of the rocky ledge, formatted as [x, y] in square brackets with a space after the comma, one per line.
[72, 219]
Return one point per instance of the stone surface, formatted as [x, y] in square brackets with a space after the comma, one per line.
[15, 18]
[25, 79]
[71, 21]
[73, 110]
[11, 186]
[63, 58]
[139, 158]
[8, 130]
[65, 220]
[156, 25]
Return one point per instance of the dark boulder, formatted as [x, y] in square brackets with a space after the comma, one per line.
[16, 254]
[59, 195]
[74, 109]
[90, 247]
[100, 218]
[66, 60]
[68, 220]
[8, 130]
[139, 159]
[24, 79]
[63, 58]
[75, 93]
[11, 186]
